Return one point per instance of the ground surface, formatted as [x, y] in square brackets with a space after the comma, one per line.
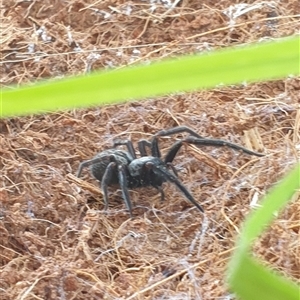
[56, 240]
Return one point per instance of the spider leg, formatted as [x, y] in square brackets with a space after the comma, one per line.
[153, 145]
[172, 152]
[178, 129]
[87, 163]
[123, 185]
[162, 171]
[129, 146]
[175, 148]
[205, 142]
[173, 168]
[142, 144]
[106, 179]
[219, 143]
[162, 194]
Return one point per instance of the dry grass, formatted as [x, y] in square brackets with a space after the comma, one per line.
[56, 240]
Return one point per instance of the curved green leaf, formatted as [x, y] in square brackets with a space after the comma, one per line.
[246, 276]
[255, 62]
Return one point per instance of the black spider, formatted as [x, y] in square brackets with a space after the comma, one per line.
[123, 168]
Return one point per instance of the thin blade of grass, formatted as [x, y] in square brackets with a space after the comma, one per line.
[254, 281]
[255, 62]
[246, 276]
[275, 200]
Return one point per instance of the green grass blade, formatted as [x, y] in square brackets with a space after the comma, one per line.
[246, 276]
[253, 281]
[255, 62]
[272, 203]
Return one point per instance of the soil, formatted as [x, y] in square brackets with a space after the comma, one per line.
[57, 242]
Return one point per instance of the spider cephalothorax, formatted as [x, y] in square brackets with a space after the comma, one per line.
[123, 168]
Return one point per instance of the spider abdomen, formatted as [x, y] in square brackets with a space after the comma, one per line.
[119, 156]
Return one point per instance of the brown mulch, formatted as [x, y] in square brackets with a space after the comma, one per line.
[56, 240]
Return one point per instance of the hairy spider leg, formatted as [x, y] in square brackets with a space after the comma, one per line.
[205, 142]
[173, 151]
[161, 191]
[107, 176]
[106, 179]
[124, 189]
[178, 129]
[162, 171]
[142, 144]
[87, 163]
[129, 146]
[170, 165]
[153, 145]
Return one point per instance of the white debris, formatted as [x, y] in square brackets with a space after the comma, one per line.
[136, 52]
[237, 10]
[254, 200]
[42, 33]
[31, 48]
[128, 10]
[91, 59]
